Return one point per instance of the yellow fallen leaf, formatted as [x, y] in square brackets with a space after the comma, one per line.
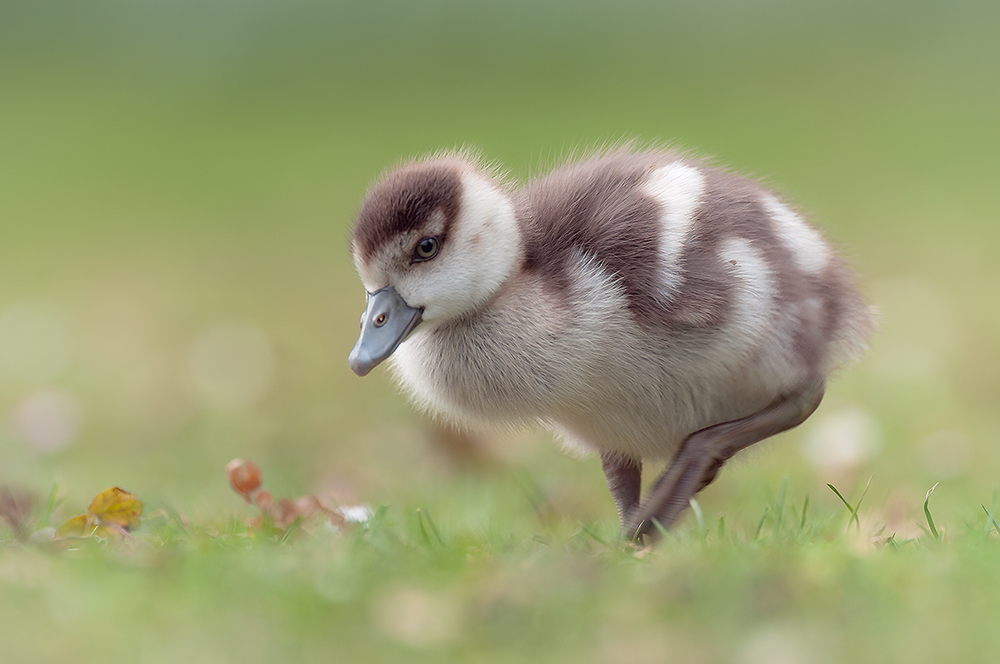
[78, 526]
[113, 511]
[117, 506]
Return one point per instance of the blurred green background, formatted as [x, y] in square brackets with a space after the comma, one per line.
[177, 181]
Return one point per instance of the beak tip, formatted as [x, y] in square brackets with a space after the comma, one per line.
[362, 366]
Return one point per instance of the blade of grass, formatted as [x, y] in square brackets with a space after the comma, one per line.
[779, 506]
[699, 518]
[423, 531]
[805, 507]
[292, 527]
[927, 512]
[760, 524]
[992, 510]
[589, 531]
[659, 527]
[433, 527]
[992, 522]
[864, 493]
[843, 500]
[49, 506]
[534, 494]
[722, 527]
[853, 510]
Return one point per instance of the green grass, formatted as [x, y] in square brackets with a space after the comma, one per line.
[168, 169]
[800, 587]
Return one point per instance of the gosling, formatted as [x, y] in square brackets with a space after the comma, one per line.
[638, 303]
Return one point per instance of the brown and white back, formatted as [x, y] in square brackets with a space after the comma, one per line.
[642, 305]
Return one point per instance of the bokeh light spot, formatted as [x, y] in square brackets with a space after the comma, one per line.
[48, 420]
[843, 440]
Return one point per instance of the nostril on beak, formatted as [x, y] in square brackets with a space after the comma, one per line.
[380, 320]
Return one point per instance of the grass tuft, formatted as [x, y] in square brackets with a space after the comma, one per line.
[853, 510]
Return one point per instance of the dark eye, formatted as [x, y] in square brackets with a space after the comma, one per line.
[426, 249]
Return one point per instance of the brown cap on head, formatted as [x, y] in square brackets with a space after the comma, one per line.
[404, 200]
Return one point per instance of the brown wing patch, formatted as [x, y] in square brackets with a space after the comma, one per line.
[728, 209]
[596, 207]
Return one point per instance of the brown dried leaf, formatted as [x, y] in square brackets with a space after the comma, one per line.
[263, 499]
[284, 512]
[307, 505]
[338, 520]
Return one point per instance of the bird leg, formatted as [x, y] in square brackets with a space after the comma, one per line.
[703, 453]
[624, 476]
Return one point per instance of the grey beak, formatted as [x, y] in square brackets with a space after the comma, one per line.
[387, 321]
